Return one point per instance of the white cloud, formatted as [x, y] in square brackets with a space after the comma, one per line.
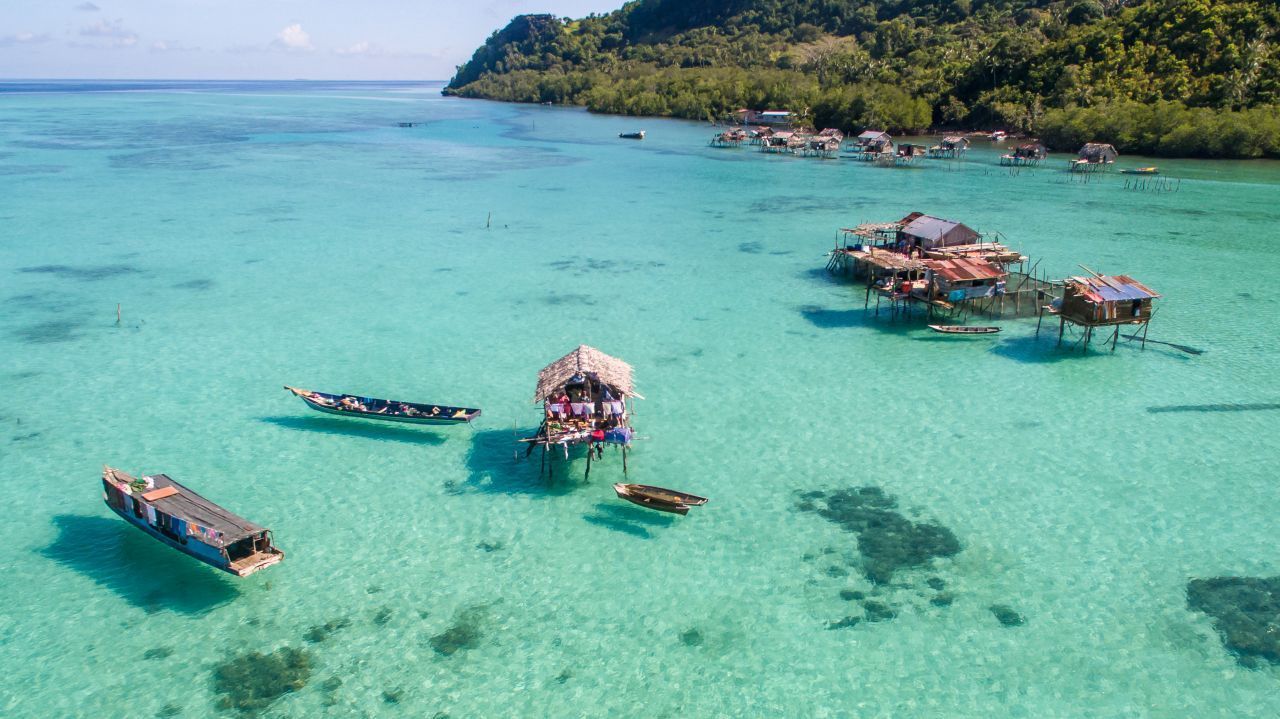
[87, 7]
[361, 48]
[293, 37]
[164, 46]
[113, 30]
[23, 38]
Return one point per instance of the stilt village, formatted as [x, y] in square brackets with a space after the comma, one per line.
[944, 270]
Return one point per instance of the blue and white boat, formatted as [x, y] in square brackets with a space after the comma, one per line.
[387, 410]
[189, 523]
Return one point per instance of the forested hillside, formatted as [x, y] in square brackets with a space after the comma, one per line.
[1177, 77]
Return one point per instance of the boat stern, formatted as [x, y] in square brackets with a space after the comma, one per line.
[256, 562]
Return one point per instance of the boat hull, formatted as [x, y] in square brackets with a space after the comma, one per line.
[198, 550]
[964, 331]
[658, 498]
[681, 509]
[384, 417]
[436, 414]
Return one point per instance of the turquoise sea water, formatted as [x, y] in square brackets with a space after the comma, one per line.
[256, 235]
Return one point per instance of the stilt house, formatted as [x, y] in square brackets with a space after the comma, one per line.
[1094, 157]
[951, 146]
[1103, 301]
[871, 144]
[584, 397]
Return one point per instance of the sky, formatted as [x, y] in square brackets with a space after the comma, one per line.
[255, 39]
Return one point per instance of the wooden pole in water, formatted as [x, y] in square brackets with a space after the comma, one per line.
[117, 314]
[542, 467]
[488, 220]
[1114, 338]
[590, 451]
[1062, 325]
[624, 460]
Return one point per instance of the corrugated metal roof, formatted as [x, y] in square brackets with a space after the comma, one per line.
[873, 135]
[931, 228]
[960, 270]
[1113, 288]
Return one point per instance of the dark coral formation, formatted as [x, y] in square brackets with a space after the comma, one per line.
[251, 682]
[1007, 616]
[158, 653]
[691, 637]
[877, 611]
[382, 617]
[464, 633]
[1245, 611]
[321, 632]
[887, 540]
[844, 623]
[942, 599]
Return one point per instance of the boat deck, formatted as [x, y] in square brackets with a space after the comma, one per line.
[188, 505]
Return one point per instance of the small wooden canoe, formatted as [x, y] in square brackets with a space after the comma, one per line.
[659, 498]
[1141, 171]
[347, 405]
[637, 135]
[964, 329]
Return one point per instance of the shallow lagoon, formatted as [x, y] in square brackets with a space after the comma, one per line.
[260, 235]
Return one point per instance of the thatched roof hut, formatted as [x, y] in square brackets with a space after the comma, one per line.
[1097, 152]
[1031, 151]
[586, 363]
[874, 141]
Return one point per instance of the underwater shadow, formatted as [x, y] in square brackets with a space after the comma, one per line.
[1044, 350]
[829, 319]
[1225, 407]
[497, 463]
[144, 573]
[822, 276]
[631, 513]
[833, 319]
[618, 525]
[357, 428]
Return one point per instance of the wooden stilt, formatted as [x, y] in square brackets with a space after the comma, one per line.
[1114, 338]
[542, 466]
[1062, 325]
[590, 451]
[624, 460]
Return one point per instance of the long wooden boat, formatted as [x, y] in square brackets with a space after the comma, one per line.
[964, 329]
[659, 498]
[387, 410]
[637, 135]
[191, 524]
[1140, 171]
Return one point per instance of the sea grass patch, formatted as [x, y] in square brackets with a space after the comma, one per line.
[887, 540]
[251, 682]
[1246, 613]
[1007, 615]
[321, 632]
[466, 632]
